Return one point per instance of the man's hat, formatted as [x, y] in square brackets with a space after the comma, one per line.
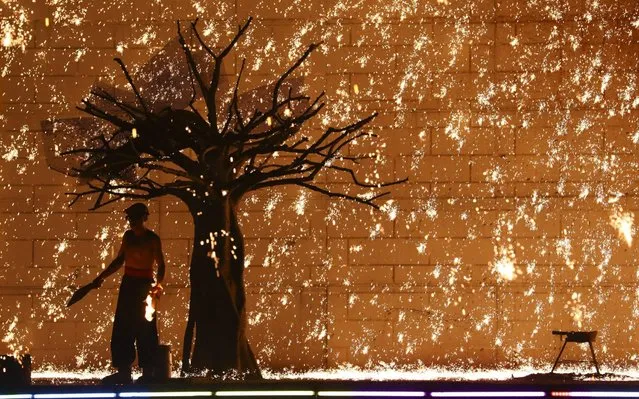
[136, 210]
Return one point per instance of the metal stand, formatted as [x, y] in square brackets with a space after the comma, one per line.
[579, 337]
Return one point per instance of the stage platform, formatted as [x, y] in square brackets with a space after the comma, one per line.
[532, 386]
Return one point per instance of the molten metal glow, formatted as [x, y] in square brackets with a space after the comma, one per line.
[149, 310]
[623, 221]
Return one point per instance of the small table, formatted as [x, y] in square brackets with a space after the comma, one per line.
[580, 337]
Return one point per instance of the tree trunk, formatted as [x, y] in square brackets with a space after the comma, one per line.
[217, 311]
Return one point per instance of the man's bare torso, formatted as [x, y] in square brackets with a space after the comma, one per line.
[139, 250]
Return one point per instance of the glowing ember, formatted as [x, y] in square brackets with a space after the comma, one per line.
[504, 264]
[623, 221]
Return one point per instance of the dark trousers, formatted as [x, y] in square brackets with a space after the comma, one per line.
[131, 328]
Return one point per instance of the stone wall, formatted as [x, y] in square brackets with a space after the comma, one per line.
[516, 123]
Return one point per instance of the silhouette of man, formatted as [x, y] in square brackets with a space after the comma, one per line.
[140, 249]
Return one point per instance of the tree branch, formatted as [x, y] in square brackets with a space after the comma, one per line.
[133, 87]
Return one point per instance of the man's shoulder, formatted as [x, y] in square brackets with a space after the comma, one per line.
[152, 234]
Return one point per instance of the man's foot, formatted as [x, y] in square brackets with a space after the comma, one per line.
[146, 378]
[119, 378]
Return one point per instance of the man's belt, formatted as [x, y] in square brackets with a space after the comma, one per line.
[143, 273]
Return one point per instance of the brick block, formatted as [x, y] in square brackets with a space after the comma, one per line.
[364, 59]
[24, 277]
[528, 57]
[535, 140]
[15, 306]
[536, 32]
[517, 168]
[359, 334]
[28, 172]
[277, 200]
[583, 56]
[61, 335]
[382, 306]
[74, 253]
[421, 275]
[454, 91]
[358, 275]
[393, 142]
[16, 253]
[472, 141]
[91, 34]
[471, 190]
[471, 301]
[176, 225]
[625, 56]
[151, 35]
[477, 251]
[54, 198]
[107, 226]
[483, 32]
[447, 224]
[59, 62]
[177, 253]
[369, 275]
[374, 86]
[17, 89]
[64, 90]
[274, 11]
[102, 10]
[31, 225]
[332, 33]
[275, 277]
[387, 251]
[18, 144]
[265, 225]
[391, 34]
[434, 168]
[360, 222]
[522, 10]
[16, 199]
[97, 307]
[482, 58]
[269, 252]
[539, 250]
[505, 32]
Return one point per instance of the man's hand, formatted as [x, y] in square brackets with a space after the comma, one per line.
[157, 290]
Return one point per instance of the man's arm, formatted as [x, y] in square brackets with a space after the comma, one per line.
[114, 266]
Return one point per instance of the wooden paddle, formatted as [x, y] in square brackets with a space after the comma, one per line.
[82, 292]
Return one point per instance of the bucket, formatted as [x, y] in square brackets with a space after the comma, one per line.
[163, 363]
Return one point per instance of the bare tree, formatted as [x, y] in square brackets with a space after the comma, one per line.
[143, 148]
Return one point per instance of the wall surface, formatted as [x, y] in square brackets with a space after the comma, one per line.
[515, 121]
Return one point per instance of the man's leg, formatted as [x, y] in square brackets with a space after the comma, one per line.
[122, 337]
[148, 342]
[146, 335]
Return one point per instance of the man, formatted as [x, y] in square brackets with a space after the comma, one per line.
[140, 249]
